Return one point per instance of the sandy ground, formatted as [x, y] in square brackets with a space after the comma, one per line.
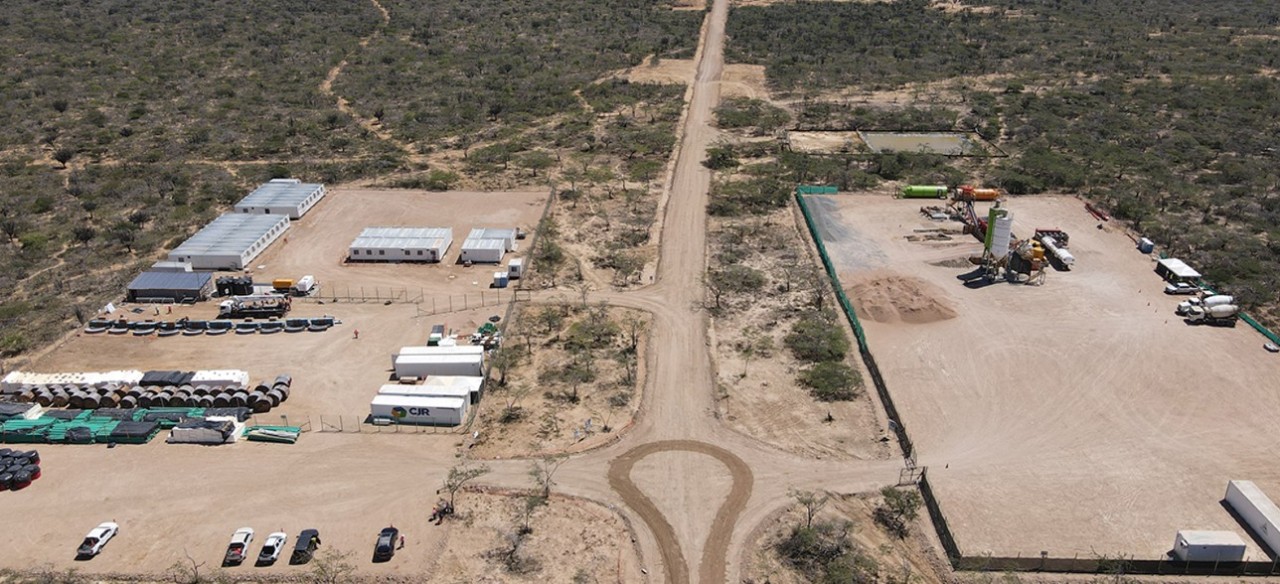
[317, 244]
[951, 144]
[826, 142]
[171, 498]
[572, 541]
[1078, 417]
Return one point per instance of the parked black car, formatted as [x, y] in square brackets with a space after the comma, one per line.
[386, 546]
[305, 547]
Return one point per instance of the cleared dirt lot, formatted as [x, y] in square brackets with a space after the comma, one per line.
[168, 498]
[1079, 417]
[317, 244]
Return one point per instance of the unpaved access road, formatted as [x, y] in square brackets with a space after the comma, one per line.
[677, 416]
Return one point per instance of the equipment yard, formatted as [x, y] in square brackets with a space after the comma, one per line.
[1080, 417]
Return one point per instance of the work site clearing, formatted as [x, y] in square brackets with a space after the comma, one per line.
[1080, 417]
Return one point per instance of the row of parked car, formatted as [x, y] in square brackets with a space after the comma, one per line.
[304, 547]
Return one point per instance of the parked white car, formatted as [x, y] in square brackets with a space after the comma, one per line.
[271, 548]
[238, 550]
[97, 538]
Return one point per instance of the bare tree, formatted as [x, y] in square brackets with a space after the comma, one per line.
[187, 572]
[543, 472]
[332, 567]
[811, 502]
[459, 476]
[633, 326]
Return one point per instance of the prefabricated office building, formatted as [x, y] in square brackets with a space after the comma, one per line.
[282, 196]
[401, 244]
[231, 241]
[487, 245]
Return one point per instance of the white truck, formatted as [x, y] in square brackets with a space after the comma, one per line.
[1185, 306]
[1220, 315]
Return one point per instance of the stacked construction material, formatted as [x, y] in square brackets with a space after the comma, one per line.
[191, 328]
[109, 425]
[18, 469]
[277, 434]
[209, 430]
[162, 389]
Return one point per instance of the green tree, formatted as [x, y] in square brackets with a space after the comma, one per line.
[460, 475]
[898, 508]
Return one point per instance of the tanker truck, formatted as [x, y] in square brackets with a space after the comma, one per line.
[1184, 307]
[1220, 315]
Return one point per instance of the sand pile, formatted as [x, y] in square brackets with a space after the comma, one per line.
[890, 298]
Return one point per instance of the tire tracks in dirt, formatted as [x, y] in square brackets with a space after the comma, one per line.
[712, 565]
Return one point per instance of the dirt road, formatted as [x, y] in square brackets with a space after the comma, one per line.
[678, 411]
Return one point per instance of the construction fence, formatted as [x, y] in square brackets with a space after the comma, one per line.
[895, 421]
[439, 304]
[347, 424]
[1044, 562]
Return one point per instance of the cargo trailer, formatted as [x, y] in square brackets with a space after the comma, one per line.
[439, 364]
[1256, 511]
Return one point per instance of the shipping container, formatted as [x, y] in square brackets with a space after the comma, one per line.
[439, 364]
[1208, 546]
[515, 268]
[432, 411]
[1256, 511]
[439, 350]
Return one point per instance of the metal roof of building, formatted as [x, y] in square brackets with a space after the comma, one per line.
[1179, 268]
[491, 233]
[476, 243]
[280, 192]
[171, 281]
[230, 234]
[404, 237]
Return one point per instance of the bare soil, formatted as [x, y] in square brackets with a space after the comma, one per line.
[826, 142]
[1077, 417]
[893, 298]
[572, 540]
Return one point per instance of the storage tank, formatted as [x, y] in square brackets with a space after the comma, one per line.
[985, 194]
[1002, 233]
[924, 192]
[1063, 255]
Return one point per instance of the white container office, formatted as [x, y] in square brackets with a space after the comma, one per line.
[401, 244]
[282, 196]
[483, 251]
[230, 242]
[406, 409]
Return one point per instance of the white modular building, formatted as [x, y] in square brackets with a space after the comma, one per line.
[472, 384]
[440, 364]
[1256, 511]
[507, 236]
[282, 196]
[231, 241]
[410, 409]
[449, 391]
[1208, 546]
[439, 350]
[1176, 270]
[483, 251]
[401, 244]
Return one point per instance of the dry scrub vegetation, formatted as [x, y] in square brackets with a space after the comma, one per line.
[566, 375]
[1163, 112]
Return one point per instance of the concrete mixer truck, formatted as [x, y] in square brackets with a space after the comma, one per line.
[1185, 306]
[1220, 315]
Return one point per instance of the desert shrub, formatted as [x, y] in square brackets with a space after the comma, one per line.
[747, 197]
[743, 112]
[826, 553]
[816, 337]
[832, 381]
